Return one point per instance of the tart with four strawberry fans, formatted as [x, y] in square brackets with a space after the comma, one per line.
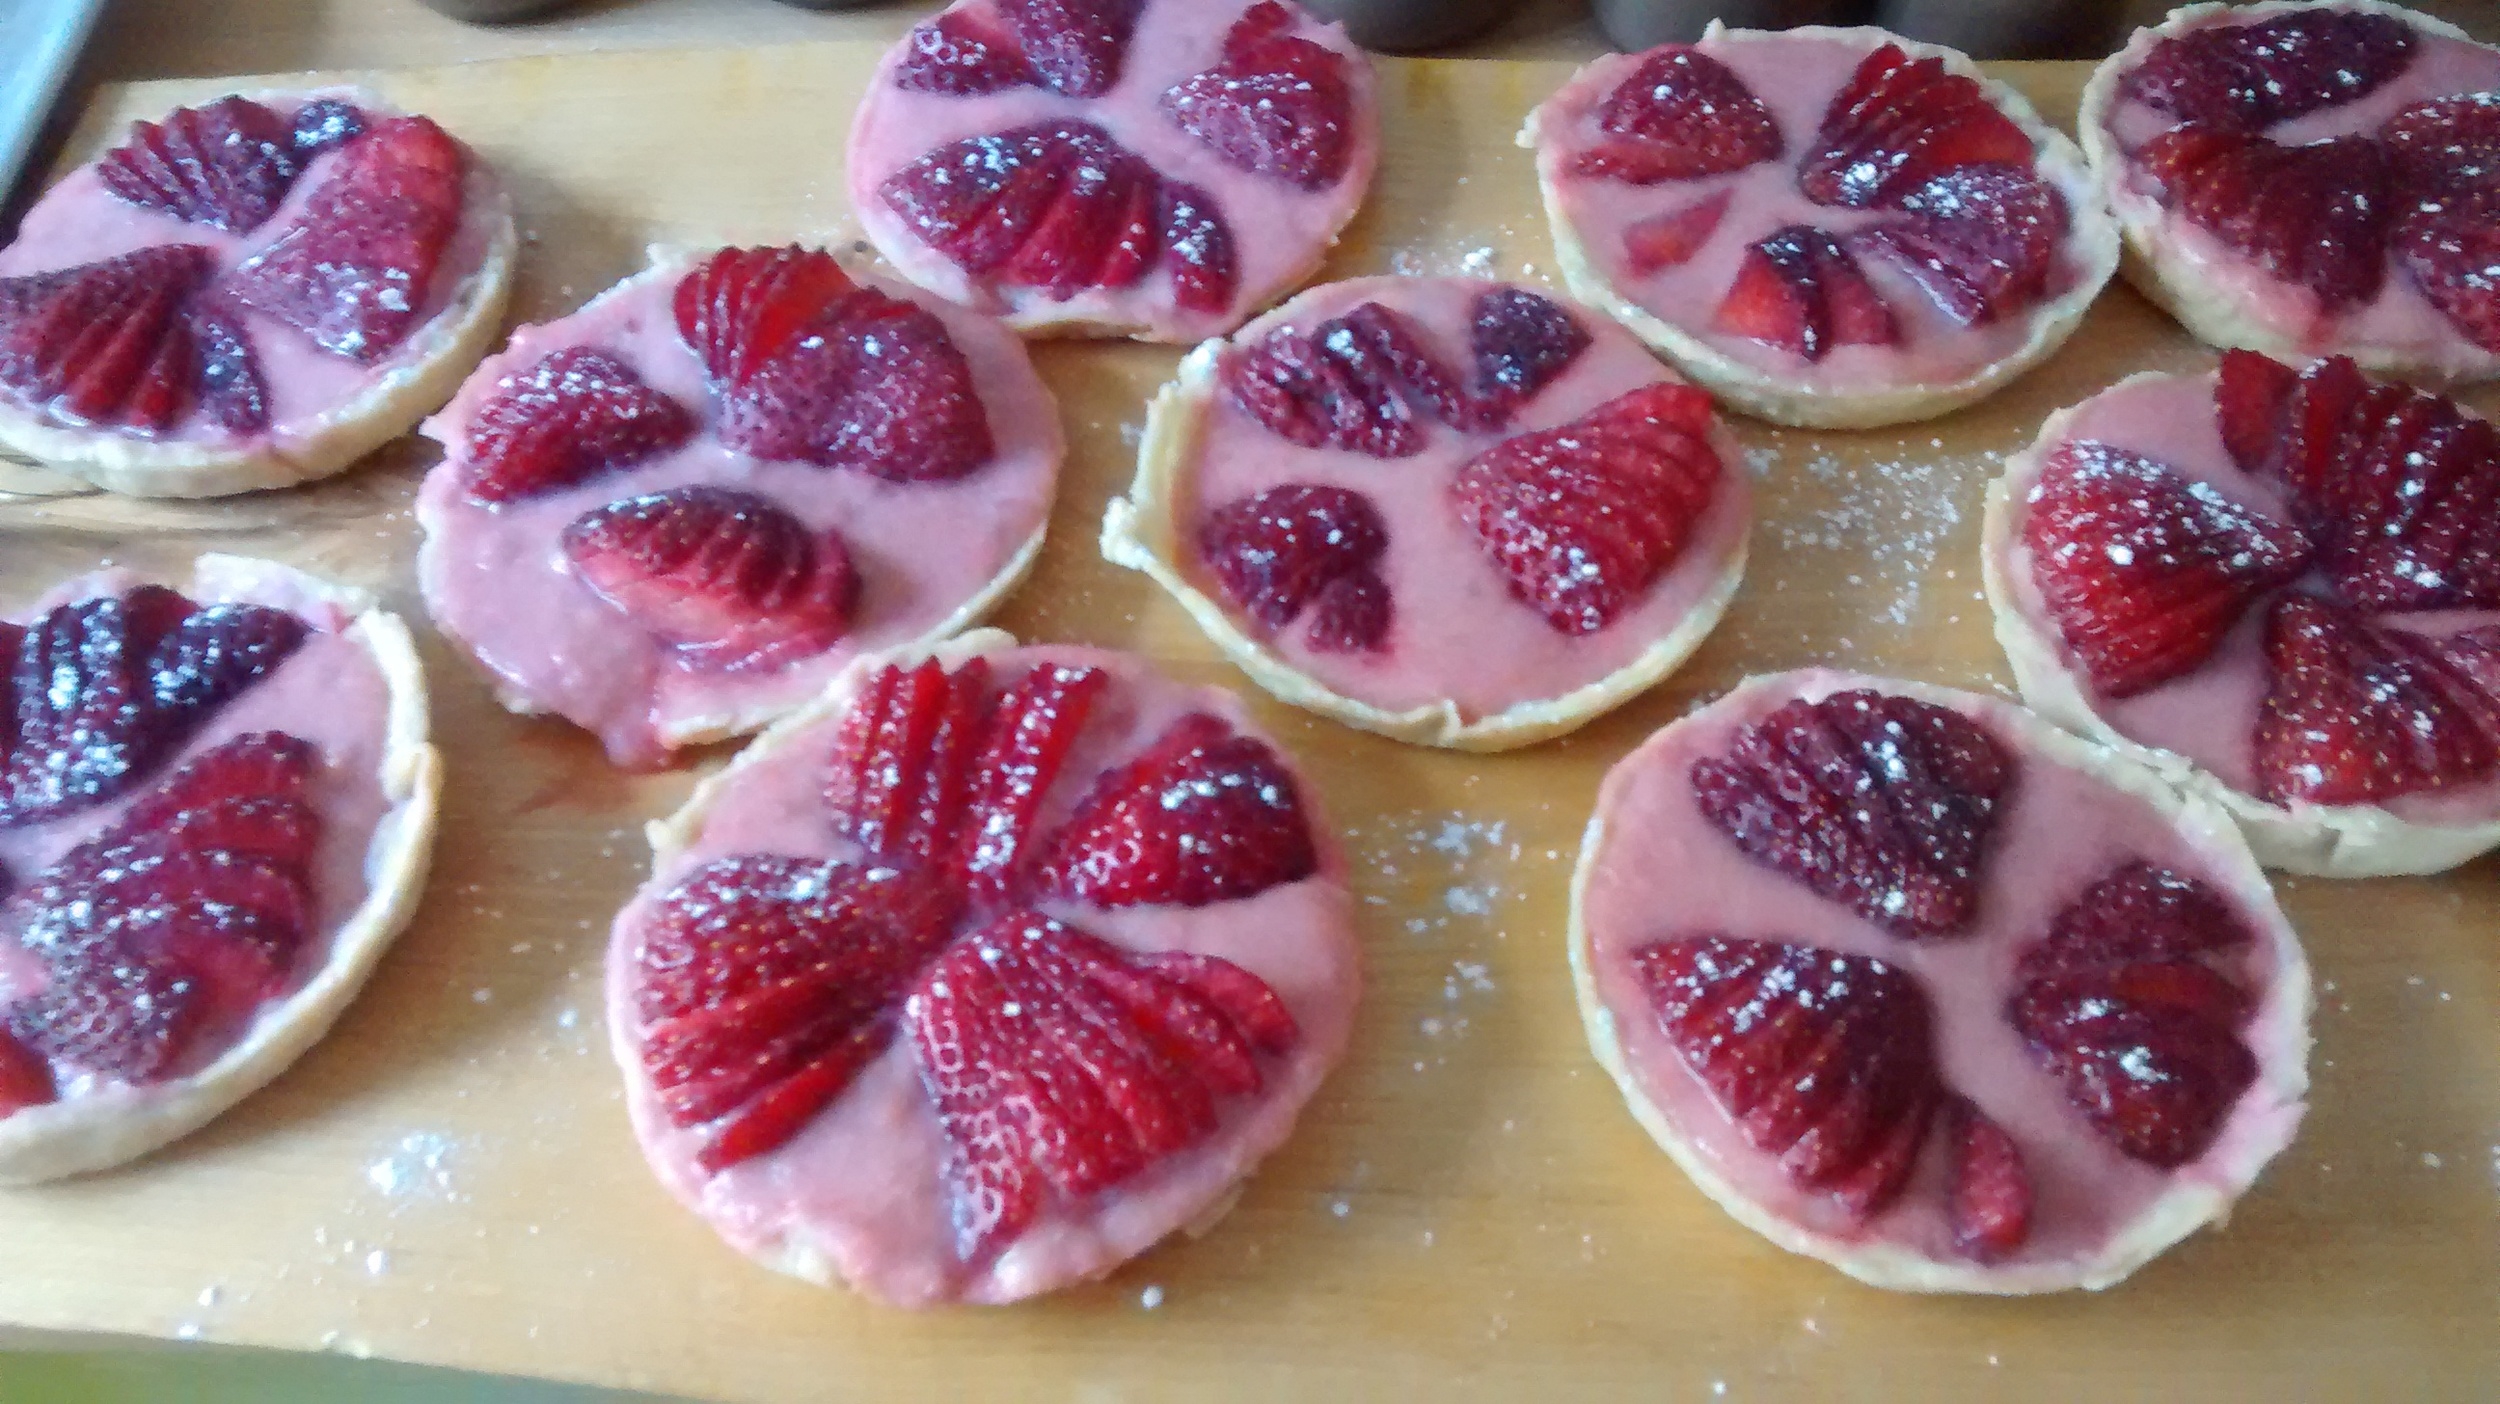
[216, 807]
[2310, 179]
[1831, 227]
[984, 973]
[2282, 588]
[1456, 512]
[1151, 168]
[675, 514]
[1910, 981]
[251, 293]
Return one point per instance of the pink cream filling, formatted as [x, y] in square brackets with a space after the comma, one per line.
[861, 1186]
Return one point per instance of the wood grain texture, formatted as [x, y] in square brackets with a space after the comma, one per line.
[450, 1178]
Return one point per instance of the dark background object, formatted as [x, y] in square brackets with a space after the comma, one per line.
[1404, 26]
[497, 11]
[2011, 29]
[1639, 24]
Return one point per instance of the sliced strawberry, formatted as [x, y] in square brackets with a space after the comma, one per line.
[119, 1016]
[1989, 1192]
[1277, 551]
[228, 164]
[1076, 46]
[1203, 815]
[1359, 382]
[1898, 124]
[1197, 249]
[740, 308]
[2448, 247]
[1582, 518]
[232, 392]
[876, 385]
[1681, 115]
[2316, 216]
[2307, 454]
[2355, 713]
[1519, 343]
[2250, 76]
[1882, 804]
[87, 727]
[1799, 290]
[1062, 1065]
[732, 581]
[106, 342]
[2252, 395]
[574, 415]
[214, 654]
[25, 1078]
[1670, 240]
[325, 124]
[2143, 570]
[354, 270]
[1982, 240]
[1278, 104]
[958, 53]
[904, 766]
[1030, 733]
[1823, 1060]
[2447, 145]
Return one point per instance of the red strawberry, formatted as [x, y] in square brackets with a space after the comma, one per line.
[2252, 393]
[2355, 713]
[106, 342]
[2316, 216]
[958, 53]
[572, 416]
[904, 767]
[1203, 815]
[354, 270]
[1278, 104]
[1980, 239]
[877, 386]
[1821, 1059]
[2448, 247]
[1034, 726]
[731, 580]
[123, 1017]
[1583, 517]
[1670, 240]
[1882, 804]
[2448, 145]
[1352, 614]
[2144, 570]
[25, 1078]
[215, 653]
[1277, 552]
[2306, 452]
[2251, 76]
[1077, 46]
[1519, 343]
[740, 308]
[1681, 115]
[1062, 1065]
[1800, 291]
[1991, 1197]
[1345, 384]
[228, 163]
[1197, 248]
[231, 391]
[324, 124]
[87, 727]
[2476, 654]
[1898, 124]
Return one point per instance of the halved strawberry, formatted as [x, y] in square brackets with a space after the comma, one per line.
[1981, 240]
[875, 385]
[106, 342]
[1278, 104]
[1031, 731]
[1681, 115]
[958, 53]
[1822, 1059]
[2143, 570]
[2252, 394]
[1277, 551]
[1802, 292]
[1882, 804]
[904, 765]
[2447, 145]
[1076, 46]
[576, 414]
[2250, 76]
[2316, 216]
[325, 124]
[228, 163]
[1670, 240]
[2355, 713]
[354, 270]
[740, 308]
[1352, 614]
[1583, 517]
[1062, 1065]
[1203, 815]
[2448, 246]
[1989, 1194]
[1898, 124]
[731, 580]
[1519, 343]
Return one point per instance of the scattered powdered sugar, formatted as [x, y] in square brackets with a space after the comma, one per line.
[1151, 1298]
[418, 1168]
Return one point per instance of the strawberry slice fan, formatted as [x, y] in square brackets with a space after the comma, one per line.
[2281, 586]
[1149, 168]
[1910, 981]
[981, 975]
[248, 294]
[2310, 179]
[1827, 227]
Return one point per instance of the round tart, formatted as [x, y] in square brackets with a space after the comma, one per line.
[1150, 168]
[675, 514]
[1910, 981]
[2282, 588]
[982, 974]
[2305, 179]
[251, 293]
[216, 808]
[1455, 512]
[1831, 227]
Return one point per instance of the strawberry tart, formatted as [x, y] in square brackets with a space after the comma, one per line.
[1456, 512]
[216, 807]
[1151, 168]
[2306, 179]
[984, 973]
[675, 514]
[1830, 227]
[251, 293]
[2281, 587]
[1910, 981]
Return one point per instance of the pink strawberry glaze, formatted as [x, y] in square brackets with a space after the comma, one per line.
[859, 1190]
[1280, 230]
[1665, 872]
[80, 221]
[2399, 320]
[1459, 633]
[495, 578]
[328, 692]
[2210, 715]
[1796, 76]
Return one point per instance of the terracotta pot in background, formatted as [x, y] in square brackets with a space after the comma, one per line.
[1405, 26]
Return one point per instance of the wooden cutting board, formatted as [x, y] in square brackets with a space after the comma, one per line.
[450, 1179]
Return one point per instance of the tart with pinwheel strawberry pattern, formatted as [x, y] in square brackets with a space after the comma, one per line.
[1910, 981]
[1457, 512]
[1151, 168]
[1832, 227]
[216, 807]
[675, 514]
[986, 972]
[250, 293]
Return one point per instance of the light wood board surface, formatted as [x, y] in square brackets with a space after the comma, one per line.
[1467, 1206]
